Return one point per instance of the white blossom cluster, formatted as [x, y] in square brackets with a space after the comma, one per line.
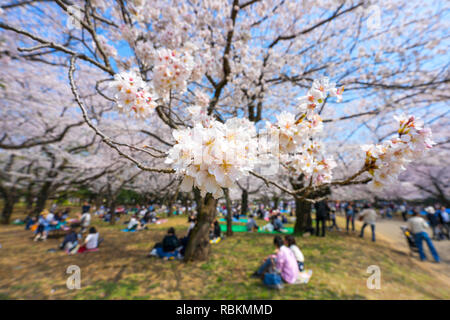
[172, 70]
[293, 132]
[295, 135]
[386, 160]
[317, 94]
[316, 167]
[133, 95]
[213, 155]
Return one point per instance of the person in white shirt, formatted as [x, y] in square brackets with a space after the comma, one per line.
[50, 217]
[92, 239]
[90, 243]
[369, 217]
[133, 223]
[418, 226]
[290, 243]
[142, 213]
[85, 221]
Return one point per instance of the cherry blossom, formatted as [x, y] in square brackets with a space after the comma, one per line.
[212, 155]
[387, 160]
[133, 95]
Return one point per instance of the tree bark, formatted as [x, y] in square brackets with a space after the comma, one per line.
[276, 201]
[9, 202]
[229, 214]
[198, 248]
[112, 207]
[303, 220]
[244, 202]
[42, 197]
[98, 201]
[29, 197]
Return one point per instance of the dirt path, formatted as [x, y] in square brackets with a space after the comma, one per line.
[390, 231]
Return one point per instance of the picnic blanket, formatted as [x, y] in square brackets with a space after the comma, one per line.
[59, 226]
[240, 228]
[240, 220]
[128, 230]
[160, 221]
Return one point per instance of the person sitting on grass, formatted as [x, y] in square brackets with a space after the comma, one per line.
[134, 224]
[284, 261]
[90, 243]
[147, 218]
[41, 231]
[185, 240]
[290, 242]
[51, 219]
[268, 227]
[29, 221]
[215, 233]
[65, 215]
[168, 247]
[70, 240]
[251, 224]
[192, 223]
[85, 221]
[277, 224]
[59, 216]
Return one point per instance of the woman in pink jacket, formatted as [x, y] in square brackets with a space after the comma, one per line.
[284, 261]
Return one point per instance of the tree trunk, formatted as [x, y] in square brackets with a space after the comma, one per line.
[42, 197]
[303, 220]
[198, 247]
[244, 202]
[276, 201]
[98, 201]
[112, 207]
[29, 197]
[229, 214]
[9, 202]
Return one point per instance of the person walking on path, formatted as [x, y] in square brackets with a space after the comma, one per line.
[417, 226]
[369, 217]
[403, 211]
[432, 220]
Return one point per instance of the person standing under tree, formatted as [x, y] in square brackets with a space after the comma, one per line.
[432, 220]
[350, 216]
[403, 211]
[322, 210]
[369, 217]
[333, 220]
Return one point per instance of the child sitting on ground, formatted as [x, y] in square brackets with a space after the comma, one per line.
[290, 243]
[251, 224]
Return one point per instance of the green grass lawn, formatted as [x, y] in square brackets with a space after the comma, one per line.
[120, 270]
